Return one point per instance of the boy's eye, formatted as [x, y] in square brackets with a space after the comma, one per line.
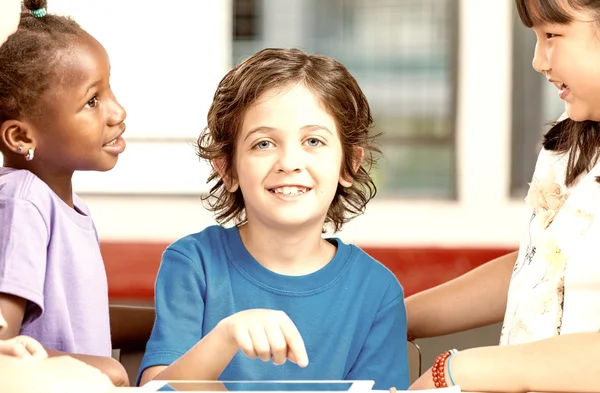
[550, 35]
[263, 145]
[93, 102]
[313, 142]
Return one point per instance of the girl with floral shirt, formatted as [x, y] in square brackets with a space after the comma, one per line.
[548, 293]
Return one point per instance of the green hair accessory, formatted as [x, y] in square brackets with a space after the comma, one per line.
[39, 13]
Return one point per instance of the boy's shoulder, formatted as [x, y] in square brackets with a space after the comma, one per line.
[202, 252]
[210, 240]
[373, 284]
[365, 266]
[207, 236]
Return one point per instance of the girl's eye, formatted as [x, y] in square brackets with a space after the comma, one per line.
[262, 145]
[550, 35]
[93, 102]
[313, 142]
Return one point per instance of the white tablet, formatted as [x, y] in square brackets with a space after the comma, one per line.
[258, 386]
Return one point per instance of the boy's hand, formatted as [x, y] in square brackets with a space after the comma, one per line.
[266, 334]
[23, 347]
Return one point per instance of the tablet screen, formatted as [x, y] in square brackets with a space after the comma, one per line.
[260, 386]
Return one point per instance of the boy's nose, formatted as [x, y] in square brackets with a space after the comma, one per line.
[290, 160]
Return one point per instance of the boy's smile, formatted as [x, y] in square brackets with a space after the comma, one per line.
[289, 192]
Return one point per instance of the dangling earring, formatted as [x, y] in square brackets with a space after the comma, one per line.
[29, 155]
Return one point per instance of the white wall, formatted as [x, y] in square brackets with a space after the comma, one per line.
[166, 59]
[165, 71]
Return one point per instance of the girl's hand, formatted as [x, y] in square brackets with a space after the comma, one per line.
[3, 323]
[23, 347]
[266, 334]
[65, 374]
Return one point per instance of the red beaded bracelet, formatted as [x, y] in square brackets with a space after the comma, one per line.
[438, 368]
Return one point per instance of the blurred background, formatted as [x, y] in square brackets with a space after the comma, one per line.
[450, 84]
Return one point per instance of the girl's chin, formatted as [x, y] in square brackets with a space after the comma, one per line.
[577, 112]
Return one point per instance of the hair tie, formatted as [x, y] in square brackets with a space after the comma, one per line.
[39, 13]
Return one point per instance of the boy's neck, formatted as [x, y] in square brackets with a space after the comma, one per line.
[60, 183]
[296, 252]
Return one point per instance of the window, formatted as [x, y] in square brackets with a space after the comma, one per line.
[402, 52]
[245, 19]
[535, 105]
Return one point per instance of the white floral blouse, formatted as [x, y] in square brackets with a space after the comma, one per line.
[555, 285]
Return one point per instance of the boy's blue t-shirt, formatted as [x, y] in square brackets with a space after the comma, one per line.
[350, 313]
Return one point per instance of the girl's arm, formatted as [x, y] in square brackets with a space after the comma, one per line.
[13, 310]
[109, 366]
[567, 363]
[56, 375]
[475, 299]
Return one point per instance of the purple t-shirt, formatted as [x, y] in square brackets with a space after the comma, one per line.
[50, 256]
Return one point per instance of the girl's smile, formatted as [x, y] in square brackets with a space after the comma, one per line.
[115, 146]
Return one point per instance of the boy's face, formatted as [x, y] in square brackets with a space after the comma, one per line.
[288, 159]
[10, 14]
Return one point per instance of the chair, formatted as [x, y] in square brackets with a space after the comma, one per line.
[130, 331]
[414, 361]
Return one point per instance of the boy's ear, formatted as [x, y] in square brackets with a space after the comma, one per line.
[231, 185]
[359, 155]
[17, 136]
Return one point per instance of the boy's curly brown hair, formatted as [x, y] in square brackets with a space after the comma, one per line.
[277, 68]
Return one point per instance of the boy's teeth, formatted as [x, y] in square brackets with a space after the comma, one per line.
[289, 190]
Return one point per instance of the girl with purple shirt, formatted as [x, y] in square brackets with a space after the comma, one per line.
[57, 115]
